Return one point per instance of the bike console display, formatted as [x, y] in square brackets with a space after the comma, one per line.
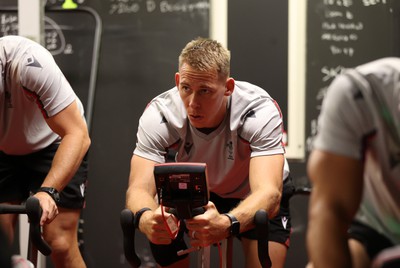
[182, 187]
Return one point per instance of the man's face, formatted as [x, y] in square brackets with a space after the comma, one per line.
[204, 96]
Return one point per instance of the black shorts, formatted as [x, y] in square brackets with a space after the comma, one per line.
[22, 175]
[279, 227]
[373, 241]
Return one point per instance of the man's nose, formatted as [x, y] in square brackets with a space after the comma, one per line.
[194, 101]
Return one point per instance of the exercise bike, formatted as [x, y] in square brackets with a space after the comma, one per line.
[36, 242]
[183, 188]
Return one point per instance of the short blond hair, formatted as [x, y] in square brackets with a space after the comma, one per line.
[205, 54]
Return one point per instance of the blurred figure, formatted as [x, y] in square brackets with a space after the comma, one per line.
[354, 208]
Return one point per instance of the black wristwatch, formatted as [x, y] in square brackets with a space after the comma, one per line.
[51, 191]
[235, 224]
[138, 215]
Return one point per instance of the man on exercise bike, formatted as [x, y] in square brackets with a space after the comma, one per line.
[43, 143]
[236, 129]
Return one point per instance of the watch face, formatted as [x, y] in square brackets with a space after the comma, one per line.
[56, 196]
[235, 228]
[52, 192]
[235, 224]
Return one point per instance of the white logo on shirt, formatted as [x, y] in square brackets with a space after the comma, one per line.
[33, 62]
[82, 187]
[284, 221]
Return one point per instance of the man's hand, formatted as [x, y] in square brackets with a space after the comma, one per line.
[208, 228]
[153, 226]
[49, 207]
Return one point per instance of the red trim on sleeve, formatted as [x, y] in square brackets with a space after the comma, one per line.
[36, 97]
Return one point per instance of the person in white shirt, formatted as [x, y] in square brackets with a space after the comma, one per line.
[236, 129]
[43, 145]
[355, 168]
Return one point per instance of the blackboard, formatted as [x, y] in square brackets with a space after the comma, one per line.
[138, 57]
[258, 41]
[258, 37]
[343, 34]
[69, 41]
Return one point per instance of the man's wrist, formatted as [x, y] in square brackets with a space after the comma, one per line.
[235, 224]
[50, 191]
[138, 215]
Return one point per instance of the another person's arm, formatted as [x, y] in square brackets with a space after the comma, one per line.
[335, 169]
[336, 195]
[71, 127]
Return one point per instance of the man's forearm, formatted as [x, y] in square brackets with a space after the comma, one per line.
[137, 199]
[246, 210]
[67, 160]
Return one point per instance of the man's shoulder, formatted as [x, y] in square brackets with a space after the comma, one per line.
[380, 65]
[250, 88]
[168, 106]
[167, 102]
[169, 96]
[247, 96]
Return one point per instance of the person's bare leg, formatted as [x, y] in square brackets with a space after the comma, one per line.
[277, 253]
[359, 256]
[8, 222]
[61, 234]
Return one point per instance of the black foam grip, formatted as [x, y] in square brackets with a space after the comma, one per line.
[34, 212]
[262, 229]
[198, 211]
[128, 229]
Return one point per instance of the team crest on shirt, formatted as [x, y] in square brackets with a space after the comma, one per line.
[229, 148]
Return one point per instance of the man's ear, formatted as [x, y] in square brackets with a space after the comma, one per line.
[177, 80]
[230, 86]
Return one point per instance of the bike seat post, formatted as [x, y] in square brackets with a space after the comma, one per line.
[227, 248]
[203, 257]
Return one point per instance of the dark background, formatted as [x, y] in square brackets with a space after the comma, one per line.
[118, 54]
[373, 32]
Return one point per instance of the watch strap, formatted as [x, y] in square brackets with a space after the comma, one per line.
[235, 224]
[50, 191]
[138, 215]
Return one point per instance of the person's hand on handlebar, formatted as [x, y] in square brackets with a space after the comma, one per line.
[208, 228]
[154, 225]
[49, 207]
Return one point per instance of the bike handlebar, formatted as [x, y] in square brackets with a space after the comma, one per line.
[34, 212]
[262, 229]
[128, 229]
